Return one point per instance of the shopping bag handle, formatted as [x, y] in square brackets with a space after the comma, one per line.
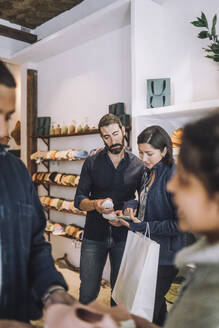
[147, 231]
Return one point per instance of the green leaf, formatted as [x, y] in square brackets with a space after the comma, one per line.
[208, 56]
[207, 50]
[203, 35]
[215, 58]
[204, 19]
[198, 23]
[213, 29]
[215, 48]
[215, 20]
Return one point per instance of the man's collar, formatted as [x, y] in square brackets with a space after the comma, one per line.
[3, 149]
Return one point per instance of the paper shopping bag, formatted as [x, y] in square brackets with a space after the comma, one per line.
[136, 282]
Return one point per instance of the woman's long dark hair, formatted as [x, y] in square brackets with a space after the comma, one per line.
[158, 138]
[199, 153]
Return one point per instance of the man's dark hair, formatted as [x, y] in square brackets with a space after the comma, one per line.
[158, 138]
[199, 152]
[109, 119]
[6, 78]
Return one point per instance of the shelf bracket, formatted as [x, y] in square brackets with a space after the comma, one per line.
[67, 262]
[45, 140]
[47, 187]
[46, 164]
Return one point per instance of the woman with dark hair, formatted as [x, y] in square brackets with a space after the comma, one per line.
[157, 210]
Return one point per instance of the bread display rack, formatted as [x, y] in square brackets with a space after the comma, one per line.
[46, 163]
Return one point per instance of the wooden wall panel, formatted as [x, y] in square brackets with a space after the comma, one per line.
[31, 118]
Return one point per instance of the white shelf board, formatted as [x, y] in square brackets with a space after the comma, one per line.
[190, 109]
[89, 28]
[170, 117]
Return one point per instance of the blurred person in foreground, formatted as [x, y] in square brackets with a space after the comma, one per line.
[28, 278]
[195, 187]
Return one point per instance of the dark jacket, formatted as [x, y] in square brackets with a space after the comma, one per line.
[161, 215]
[26, 264]
[100, 179]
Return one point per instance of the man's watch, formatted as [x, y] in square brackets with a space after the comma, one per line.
[49, 292]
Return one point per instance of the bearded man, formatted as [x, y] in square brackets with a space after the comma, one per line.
[114, 174]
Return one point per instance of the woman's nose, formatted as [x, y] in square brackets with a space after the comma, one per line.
[144, 158]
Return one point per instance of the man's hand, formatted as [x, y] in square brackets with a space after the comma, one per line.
[115, 222]
[59, 296]
[130, 212]
[99, 208]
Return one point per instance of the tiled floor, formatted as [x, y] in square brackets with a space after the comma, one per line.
[73, 281]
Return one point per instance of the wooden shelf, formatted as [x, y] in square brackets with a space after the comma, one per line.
[64, 235]
[94, 131]
[61, 160]
[46, 183]
[48, 208]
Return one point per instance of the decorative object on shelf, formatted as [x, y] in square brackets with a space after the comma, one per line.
[70, 231]
[62, 205]
[59, 155]
[158, 93]
[16, 133]
[56, 178]
[71, 129]
[208, 33]
[118, 109]
[43, 126]
[52, 130]
[64, 129]
[177, 137]
[58, 129]
[79, 128]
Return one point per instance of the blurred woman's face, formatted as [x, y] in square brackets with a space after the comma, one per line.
[196, 210]
[150, 155]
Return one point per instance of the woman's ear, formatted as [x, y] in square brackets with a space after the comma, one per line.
[163, 153]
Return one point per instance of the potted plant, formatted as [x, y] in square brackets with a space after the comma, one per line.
[210, 33]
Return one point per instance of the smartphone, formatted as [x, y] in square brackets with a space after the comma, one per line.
[124, 217]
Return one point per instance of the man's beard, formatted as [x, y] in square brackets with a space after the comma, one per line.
[116, 148]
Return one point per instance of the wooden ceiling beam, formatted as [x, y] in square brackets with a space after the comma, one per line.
[13, 33]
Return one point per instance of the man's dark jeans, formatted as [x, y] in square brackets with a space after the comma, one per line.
[93, 259]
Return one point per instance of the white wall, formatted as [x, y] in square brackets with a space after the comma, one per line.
[82, 82]
[77, 84]
[165, 44]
